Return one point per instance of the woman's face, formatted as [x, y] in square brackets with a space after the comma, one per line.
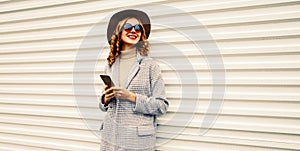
[131, 32]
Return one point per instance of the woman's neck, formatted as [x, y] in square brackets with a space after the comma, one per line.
[126, 46]
[127, 54]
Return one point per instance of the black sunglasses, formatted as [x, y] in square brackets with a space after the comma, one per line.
[128, 27]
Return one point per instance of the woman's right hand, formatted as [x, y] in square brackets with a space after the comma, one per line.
[108, 95]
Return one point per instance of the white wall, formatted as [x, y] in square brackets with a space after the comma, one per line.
[258, 40]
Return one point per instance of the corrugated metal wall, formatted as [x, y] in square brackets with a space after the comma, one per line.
[259, 42]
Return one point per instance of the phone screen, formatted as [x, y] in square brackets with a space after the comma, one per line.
[107, 80]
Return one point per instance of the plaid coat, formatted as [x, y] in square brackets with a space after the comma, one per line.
[132, 126]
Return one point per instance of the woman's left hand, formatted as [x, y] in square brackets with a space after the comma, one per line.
[122, 93]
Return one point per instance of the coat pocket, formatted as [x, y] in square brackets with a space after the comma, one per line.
[145, 130]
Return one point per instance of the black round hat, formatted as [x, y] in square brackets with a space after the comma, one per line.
[140, 15]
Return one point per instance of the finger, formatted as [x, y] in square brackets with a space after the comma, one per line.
[110, 95]
[117, 88]
[117, 95]
[108, 99]
[106, 87]
[108, 91]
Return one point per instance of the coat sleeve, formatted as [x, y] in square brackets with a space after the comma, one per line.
[156, 103]
[102, 106]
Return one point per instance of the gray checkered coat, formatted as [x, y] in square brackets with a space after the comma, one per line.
[132, 126]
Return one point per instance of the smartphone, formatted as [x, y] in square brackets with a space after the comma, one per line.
[107, 80]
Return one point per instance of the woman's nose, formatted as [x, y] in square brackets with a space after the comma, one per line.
[132, 30]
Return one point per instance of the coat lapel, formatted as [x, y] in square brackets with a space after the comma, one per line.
[132, 72]
[114, 72]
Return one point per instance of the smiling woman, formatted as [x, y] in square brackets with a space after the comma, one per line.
[48, 58]
[138, 96]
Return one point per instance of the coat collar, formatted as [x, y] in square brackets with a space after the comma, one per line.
[114, 70]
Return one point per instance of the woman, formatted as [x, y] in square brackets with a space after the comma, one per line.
[138, 96]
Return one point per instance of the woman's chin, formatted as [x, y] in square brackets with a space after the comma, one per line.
[131, 42]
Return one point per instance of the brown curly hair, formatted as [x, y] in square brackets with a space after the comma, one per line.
[116, 43]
